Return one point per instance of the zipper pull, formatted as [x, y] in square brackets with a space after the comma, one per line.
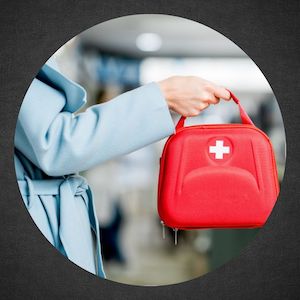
[175, 236]
[163, 229]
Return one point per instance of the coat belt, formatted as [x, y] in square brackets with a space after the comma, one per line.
[67, 189]
[49, 186]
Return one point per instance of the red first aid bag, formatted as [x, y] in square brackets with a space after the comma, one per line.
[217, 176]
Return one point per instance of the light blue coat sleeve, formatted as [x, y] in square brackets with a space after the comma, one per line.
[61, 143]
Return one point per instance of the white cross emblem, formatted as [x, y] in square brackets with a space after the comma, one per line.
[219, 149]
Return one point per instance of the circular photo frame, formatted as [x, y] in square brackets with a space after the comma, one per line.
[118, 180]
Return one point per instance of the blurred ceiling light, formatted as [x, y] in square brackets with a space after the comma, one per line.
[149, 42]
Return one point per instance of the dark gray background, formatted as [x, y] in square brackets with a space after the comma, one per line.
[268, 31]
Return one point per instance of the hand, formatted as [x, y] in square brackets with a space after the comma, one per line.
[189, 95]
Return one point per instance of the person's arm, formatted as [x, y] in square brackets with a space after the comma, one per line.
[60, 143]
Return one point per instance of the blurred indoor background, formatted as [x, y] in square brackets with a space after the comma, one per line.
[120, 55]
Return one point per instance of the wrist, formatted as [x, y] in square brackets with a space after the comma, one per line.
[166, 91]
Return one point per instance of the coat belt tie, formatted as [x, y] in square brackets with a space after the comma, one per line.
[72, 236]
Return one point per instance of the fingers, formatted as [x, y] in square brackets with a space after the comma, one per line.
[191, 108]
[221, 92]
[198, 107]
[214, 100]
[217, 92]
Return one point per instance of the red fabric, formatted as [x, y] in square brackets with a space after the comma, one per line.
[217, 176]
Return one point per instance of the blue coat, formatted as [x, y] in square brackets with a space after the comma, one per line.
[52, 145]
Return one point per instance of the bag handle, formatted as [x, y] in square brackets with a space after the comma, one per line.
[244, 116]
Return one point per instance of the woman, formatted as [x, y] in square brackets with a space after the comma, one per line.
[52, 146]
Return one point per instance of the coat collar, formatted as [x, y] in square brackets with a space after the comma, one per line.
[75, 94]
